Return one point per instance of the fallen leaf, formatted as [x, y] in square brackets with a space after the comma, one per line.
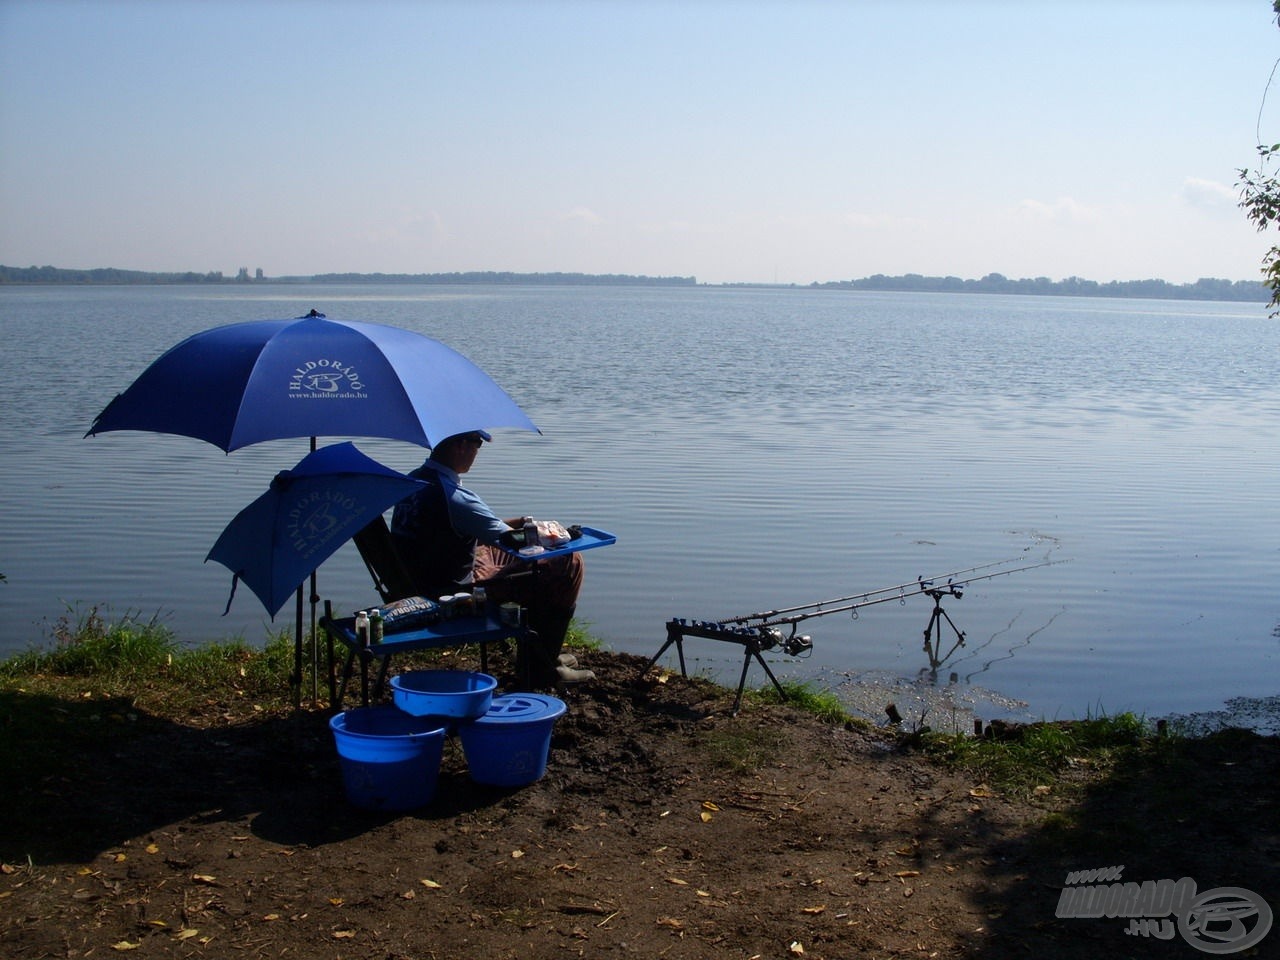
[186, 933]
[343, 934]
[708, 805]
[517, 854]
[125, 945]
[1042, 789]
[120, 858]
[336, 901]
[796, 948]
[677, 881]
[272, 916]
[907, 873]
[203, 878]
[671, 922]
[706, 816]
[982, 790]
[152, 848]
[430, 883]
[820, 908]
[156, 923]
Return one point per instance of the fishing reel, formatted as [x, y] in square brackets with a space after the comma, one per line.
[793, 646]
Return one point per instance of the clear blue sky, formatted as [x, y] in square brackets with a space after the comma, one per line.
[734, 141]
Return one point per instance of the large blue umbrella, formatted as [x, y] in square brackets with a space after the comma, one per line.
[308, 512]
[271, 379]
[262, 380]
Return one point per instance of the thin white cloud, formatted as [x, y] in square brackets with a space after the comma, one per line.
[1063, 210]
[584, 216]
[1207, 193]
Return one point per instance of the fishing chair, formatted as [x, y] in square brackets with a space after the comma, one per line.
[378, 551]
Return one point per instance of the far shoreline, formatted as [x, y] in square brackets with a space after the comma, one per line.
[1203, 289]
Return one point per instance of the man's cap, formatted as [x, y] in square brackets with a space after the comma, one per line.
[467, 434]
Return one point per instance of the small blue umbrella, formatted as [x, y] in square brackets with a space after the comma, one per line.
[308, 512]
[272, 379]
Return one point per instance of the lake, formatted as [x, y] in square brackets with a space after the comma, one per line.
[751, 449]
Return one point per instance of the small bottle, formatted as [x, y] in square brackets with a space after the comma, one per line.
[480, 598]
[530, 532]
[375, 627]
[362, 628]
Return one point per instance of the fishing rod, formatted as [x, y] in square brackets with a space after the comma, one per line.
[758, 632]
[952, 584]
[863, 599]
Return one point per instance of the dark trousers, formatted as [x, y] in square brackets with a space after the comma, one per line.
[548, 590]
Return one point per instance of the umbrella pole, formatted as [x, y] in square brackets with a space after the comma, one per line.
[315, 598]
[296, 680]
[315, 645]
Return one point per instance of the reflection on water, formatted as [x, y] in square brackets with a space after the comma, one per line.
[749, 448]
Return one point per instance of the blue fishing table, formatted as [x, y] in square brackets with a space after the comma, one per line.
[483, 629]
[589, 540]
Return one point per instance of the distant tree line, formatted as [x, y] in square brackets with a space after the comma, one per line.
[490, 276]
[1203, 289]
[111, 275]
[102, 275]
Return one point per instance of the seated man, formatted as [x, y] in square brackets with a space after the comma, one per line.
[448, 538]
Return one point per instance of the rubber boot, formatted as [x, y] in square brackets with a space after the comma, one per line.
[572, 675]
[538, 657]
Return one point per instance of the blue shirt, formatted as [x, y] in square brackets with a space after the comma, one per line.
[436, 529]
[468, 514]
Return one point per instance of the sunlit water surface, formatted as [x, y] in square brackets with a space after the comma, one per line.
[751, 449]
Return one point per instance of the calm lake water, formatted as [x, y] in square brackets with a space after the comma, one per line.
[751, 449]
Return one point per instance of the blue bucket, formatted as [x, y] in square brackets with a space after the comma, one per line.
[461, 694]
[508, 746]
[390, 760]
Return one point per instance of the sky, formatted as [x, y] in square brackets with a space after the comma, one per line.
[735, 142]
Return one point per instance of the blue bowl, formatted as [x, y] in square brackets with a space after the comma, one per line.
[459, 694]
[508, 746]
[390, 760]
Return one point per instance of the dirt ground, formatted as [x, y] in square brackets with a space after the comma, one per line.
[664, 827]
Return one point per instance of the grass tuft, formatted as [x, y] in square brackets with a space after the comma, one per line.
[1023, 756]
[90, 645]
[742, 748]
[820, 702]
